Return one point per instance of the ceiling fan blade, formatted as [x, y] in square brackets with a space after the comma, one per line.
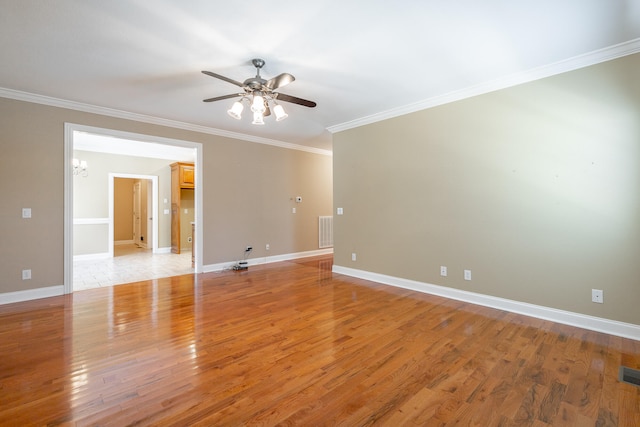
[279, 81]
[226, 79]
[295, 100]
[220, 98]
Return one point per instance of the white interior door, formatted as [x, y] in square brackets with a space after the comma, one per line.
[136, 213]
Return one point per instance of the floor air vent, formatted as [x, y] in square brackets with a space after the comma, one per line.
[630, 376]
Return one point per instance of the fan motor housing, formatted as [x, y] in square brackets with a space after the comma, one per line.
[255, 83]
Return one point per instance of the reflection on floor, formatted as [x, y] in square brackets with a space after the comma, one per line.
[129, 264]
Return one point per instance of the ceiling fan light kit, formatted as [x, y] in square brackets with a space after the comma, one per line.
[257, 104]
[236, 110]
[260, 93]
[258, 118]
[280, 113]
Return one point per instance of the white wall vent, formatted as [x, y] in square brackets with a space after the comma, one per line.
[325, 232]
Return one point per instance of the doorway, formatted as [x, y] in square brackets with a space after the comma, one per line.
[143, 201]
[145, 145]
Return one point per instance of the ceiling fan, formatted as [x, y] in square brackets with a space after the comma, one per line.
[260, 93]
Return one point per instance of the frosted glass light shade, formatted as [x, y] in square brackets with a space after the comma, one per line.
[258, 104]
[236, 110]
[258, 119]
[280, 113]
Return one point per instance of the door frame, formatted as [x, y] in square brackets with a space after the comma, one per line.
[69, 130]
[154, 195]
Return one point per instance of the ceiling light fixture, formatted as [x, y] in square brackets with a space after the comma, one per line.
[258, 118]
[279, 112]
[259, 106]
[236, 110]
[80, 167]
[260, 94]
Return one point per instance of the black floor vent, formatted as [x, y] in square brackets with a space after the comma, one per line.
[629, 376]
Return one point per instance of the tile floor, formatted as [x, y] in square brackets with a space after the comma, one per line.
[129, 264]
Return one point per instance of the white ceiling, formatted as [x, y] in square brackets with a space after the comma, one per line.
[360, 60]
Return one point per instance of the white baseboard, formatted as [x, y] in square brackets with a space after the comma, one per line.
[51, 291]
[612, 327]
[88, 257]
[123, 242]
[166, 250]
[31, 294]
[266, 260]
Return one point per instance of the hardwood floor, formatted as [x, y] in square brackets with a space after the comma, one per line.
[294, 344]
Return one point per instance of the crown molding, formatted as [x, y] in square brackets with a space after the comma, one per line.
[591, 58]
[121, 114]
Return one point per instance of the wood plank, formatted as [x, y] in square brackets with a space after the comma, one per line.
[292, 343]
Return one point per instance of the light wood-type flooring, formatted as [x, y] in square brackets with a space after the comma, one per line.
[294, 344]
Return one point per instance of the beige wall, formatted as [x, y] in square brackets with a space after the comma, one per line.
[246, 190]
[91, 198]
[535, 188]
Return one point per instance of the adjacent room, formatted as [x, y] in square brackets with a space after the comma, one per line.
[336, 213]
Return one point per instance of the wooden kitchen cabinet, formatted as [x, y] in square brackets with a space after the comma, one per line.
[182, 176]
[186, 175]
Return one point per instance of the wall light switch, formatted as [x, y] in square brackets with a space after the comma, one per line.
[26, 274]
[26, 212]
[293, 210]
[166, 211]
[353, 257]
[186, 211]
[339, 211]
[467, 275]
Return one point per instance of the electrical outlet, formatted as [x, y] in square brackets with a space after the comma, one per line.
[267, 247]
[26, 274]
[189, 239]
[443, 270]
[467, 275]
[353, 256]
[597, 296]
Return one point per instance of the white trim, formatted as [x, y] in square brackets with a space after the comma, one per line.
[31, 294]
[613, 327]
[591, 58]
[90, 221]
[165, 250]
[123, 242]
[67, 245]
[267, 260]
[89, 257]
[69, 129]
[95, 109]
